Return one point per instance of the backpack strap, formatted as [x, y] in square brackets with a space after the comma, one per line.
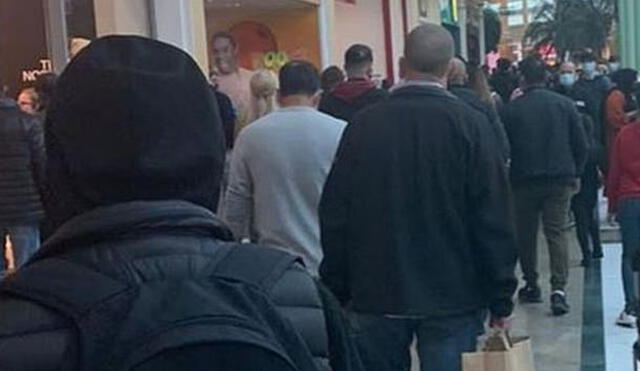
[46, 282]
[258, 265]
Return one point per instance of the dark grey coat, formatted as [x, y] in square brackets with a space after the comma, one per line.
[22, 158]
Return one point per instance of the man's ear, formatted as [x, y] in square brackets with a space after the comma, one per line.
[316, 98]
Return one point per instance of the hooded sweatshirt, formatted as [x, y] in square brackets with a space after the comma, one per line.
[351, 96]
[100, 157]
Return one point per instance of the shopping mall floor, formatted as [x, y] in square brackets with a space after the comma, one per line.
[587, 339]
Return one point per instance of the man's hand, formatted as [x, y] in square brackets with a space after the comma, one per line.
[502, 323]
[612, 218]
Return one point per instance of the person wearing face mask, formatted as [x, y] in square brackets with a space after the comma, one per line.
[584, 204]
[614, 64]
[592, 89]
[566, 78]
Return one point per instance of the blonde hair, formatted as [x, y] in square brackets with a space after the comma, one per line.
[264, 86]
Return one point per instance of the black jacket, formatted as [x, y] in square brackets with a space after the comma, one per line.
[592, 93]
[415, 215]
[22, 158]
[349, 98]
[548, 142]
[504, 83]
[153, 236]
[471, 98]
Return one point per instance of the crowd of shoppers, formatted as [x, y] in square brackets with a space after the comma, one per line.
[606, 103]
[352, 220]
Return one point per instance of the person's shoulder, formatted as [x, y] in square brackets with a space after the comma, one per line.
[256, 128]
[245, 74]
[378, 93]
[296, 288]
[628, 129]
[30, 330]
[329, 120]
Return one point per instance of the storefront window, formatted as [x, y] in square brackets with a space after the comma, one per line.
[267, 33]
[23, 44]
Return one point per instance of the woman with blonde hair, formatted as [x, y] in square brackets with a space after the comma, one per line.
[264, 86]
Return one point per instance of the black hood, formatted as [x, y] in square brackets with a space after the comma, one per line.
[133, 119]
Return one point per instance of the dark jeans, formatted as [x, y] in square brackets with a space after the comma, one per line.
[629, 218]
[552, 203]
[585, 210]
[385, 342]
[25, 241]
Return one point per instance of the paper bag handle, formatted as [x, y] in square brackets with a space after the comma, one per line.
[499, 341]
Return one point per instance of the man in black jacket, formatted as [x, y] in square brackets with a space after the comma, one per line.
[548, 154]
[359, 91]
[585, 204]
[415, 219]
[458, 85]
[132, 183]
[22, 159]
[504, 81]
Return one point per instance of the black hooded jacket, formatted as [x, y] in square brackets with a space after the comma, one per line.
[350, 97]
[137, 155]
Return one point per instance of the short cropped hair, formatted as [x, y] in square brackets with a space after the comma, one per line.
[224, 35]
[533, 70]
[299, 77]
[357, 55]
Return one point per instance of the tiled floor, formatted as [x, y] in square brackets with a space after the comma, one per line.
[556, 340]
[618, 340]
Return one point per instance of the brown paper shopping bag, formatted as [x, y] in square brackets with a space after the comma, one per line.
[501, 353]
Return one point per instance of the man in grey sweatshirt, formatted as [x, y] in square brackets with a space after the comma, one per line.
[279, 166]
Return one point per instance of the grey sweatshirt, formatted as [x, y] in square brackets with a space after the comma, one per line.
[278, 169]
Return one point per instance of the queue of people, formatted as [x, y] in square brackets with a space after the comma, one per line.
[606, 100]
[351, 219]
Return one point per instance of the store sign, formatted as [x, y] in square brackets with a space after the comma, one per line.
[449, 11]
[275, 60]
[32, 75]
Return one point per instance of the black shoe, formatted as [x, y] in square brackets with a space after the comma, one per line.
[530, 294]
[559, 306]
[598, 254]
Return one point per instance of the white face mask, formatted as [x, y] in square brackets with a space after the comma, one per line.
[613, 67]
[590, 70]
[567, 79]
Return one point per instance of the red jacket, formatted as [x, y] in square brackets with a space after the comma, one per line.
[624, 171]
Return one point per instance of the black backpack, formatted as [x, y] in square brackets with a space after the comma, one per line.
[220, 321]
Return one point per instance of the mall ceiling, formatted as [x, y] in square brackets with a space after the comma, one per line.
[259, 4]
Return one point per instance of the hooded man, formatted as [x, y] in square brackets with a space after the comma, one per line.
[359, 91]
[136, 157]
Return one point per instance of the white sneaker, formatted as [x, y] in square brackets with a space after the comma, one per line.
[626, 320]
